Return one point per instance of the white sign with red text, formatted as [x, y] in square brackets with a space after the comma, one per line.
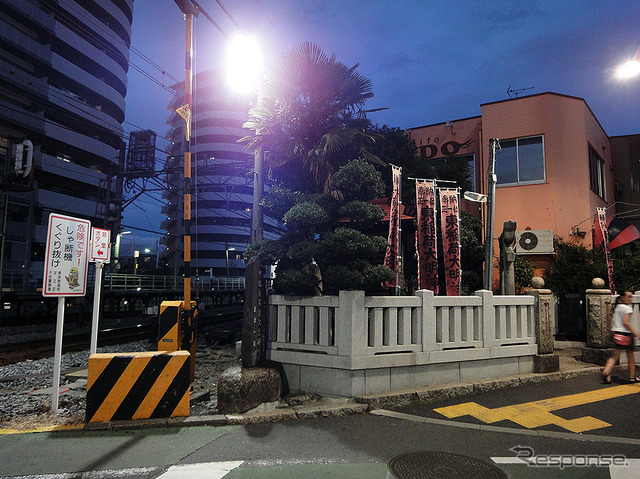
[100, 245]
[65, 268]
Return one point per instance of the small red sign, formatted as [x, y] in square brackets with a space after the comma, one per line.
[100, 245]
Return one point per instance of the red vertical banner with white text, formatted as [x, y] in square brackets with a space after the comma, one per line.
[393, 246]
[426, 235]
[602, 224]
[450, 226]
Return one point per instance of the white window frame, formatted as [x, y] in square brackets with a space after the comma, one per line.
[530, 182]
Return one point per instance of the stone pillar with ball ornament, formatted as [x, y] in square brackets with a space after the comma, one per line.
[545, 361]
[598, 304]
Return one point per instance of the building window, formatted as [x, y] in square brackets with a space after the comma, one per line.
[596, 172]
[520, 161]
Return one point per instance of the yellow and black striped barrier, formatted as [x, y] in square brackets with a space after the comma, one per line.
[177, 329]
[170, 326]
[144, 385]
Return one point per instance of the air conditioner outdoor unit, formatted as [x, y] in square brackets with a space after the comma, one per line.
[534, 242]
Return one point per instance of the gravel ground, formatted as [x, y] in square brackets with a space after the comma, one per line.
[25, 400]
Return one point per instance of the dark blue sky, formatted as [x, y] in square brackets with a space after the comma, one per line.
[429, 61]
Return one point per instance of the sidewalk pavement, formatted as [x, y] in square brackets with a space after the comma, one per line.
[571, 365]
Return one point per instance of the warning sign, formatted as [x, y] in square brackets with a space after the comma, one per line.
[65, 268]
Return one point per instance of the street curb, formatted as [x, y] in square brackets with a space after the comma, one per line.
[335, 407]
[270, 412]
[428, 394]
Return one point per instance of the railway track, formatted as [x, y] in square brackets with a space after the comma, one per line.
[223, 323]
[44, 348]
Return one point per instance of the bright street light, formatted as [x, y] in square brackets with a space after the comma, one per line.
[628, 70]
[244, 60]
[245, 71]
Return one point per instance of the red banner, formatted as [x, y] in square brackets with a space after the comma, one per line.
[602, 225]
[450, 225]
[393, 247]
[426, 236]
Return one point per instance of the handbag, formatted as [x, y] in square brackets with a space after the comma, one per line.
[622, 339]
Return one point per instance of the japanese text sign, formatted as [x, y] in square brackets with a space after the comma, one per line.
[393, 247]
[426, 236]
[450, 225]
[100, 245]
[65, 268]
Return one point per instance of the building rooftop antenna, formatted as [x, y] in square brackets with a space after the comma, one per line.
[517, 92]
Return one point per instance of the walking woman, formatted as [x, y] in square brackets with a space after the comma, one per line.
[623, 334]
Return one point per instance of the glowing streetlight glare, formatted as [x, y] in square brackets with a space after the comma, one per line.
[628, 70]
[244, 61]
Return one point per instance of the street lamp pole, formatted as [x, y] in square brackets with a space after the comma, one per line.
[491, 212]
[257, 218]
[246, 73]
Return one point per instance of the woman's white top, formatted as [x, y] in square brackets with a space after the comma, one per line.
[618, 315]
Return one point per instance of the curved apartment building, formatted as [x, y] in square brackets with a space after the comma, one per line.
[63, 81]
[222, 180]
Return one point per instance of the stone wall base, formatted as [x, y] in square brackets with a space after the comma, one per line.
[597, 356]
[360, 382]
[241, 389]
[546, 363]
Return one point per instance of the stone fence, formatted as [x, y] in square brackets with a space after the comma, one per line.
[352, 344]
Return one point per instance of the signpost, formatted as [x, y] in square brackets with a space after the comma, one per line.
[65, 274]
[100, 254]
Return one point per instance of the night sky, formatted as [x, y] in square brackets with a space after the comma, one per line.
[429, 61]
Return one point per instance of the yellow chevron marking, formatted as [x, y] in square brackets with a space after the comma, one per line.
[537, 413]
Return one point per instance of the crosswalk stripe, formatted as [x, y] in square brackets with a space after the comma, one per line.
[210, 470]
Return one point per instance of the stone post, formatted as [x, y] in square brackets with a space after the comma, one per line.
[545, 361]
[241, 388]
[598, 304]
[508, 258]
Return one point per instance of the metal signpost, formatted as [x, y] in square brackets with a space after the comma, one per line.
[100, 254]
[65, 274]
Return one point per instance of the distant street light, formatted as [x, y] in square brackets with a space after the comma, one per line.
[244, 72]
[117, 248]
[628, 70]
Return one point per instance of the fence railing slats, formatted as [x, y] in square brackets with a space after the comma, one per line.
[354, 326]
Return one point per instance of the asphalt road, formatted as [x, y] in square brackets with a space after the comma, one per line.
[362, 446]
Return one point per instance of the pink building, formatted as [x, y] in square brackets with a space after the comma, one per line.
[553, 169]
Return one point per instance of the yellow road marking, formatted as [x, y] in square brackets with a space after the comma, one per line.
[538, 413]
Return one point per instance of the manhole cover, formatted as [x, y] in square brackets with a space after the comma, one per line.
[442, 465]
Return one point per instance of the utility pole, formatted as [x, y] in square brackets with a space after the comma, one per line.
[189, 10]
[187, 315]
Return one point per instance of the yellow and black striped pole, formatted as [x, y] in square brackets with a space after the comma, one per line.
[187, 161]
[188, 315]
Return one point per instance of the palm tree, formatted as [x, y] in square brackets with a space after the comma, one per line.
[310, 117]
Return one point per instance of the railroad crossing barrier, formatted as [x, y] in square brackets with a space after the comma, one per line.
[144, 385]
[177, 329]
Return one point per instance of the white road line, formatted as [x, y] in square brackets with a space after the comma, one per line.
[209, 470]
